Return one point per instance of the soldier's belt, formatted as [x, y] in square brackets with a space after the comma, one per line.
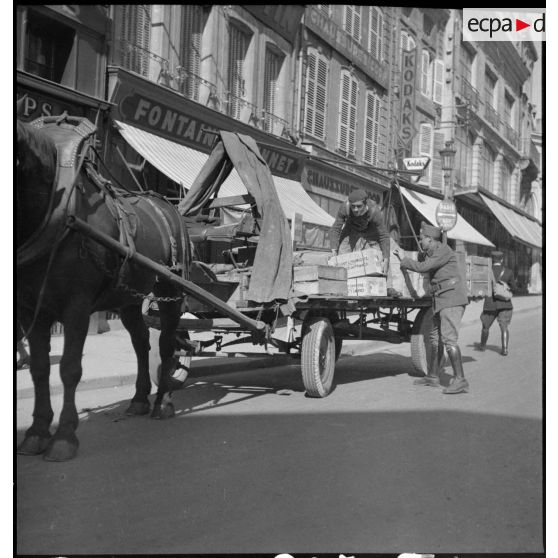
[443, 285]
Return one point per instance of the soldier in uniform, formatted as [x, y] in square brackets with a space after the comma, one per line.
[449, 298]
[359, 225]
[495, 308]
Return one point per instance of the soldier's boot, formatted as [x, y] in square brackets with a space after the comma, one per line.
[458, 384]
[484, 339]
[505, 341]
[432, 379]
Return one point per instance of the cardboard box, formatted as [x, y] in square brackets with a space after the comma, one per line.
[409, 283]
[322, 287]
[479, 283]
[315, 272]
[360, 263]
[367, 286]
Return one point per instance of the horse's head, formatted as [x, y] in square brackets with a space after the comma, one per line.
[35, 174]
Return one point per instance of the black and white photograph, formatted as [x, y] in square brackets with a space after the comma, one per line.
[279, 281]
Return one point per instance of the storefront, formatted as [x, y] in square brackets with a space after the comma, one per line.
[513, 231]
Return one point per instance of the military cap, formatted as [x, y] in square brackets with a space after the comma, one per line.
[497, 254]
[429, 230]
[357, 196]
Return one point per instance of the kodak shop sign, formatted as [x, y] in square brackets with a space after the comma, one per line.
[513, 24]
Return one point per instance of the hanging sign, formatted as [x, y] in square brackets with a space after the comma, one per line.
[416, 163]
[446, 214]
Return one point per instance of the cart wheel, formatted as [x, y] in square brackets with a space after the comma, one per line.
[318, 357]
[420, 344]
[338, 347]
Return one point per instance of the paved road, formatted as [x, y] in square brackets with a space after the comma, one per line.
[252, 465]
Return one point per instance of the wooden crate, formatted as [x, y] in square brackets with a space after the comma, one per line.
[478, 278]
[367, 286]
[360, 263]
[322, 286]
[315, 272]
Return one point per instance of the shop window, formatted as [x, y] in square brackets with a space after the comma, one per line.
[48, 49]
[135, 37]
[372, 128]
[352, 21]
[272, 71]
[316, 94]
[347, 113]
[425, 148]
[239, 40]
[192, 29]
[375, 32]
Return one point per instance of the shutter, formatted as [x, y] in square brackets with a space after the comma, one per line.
[135, 31]
[237, 52]
[356, 22]
[375, 34]
[352, 116]
[321, 98]
[191, 47]
[438, 81]
[352, 21]
[271, 75]
[325, 9]
[426, 139]
[143, 28]
[436, 163]
[348, 23]
[372, 128]
[344, 112]
[424, 72]
[310, 92]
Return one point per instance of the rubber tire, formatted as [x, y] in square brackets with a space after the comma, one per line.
[420, 344]
[318, 357]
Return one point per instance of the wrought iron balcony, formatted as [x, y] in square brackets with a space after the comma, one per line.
[195, 87]
[136, 58]
[511, 135]
[242, 110]
[273, 124]
[491, 115]
[469, 93]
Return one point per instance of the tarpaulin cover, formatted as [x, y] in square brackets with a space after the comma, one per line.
[272, 271]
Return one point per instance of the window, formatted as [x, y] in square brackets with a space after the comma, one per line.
[487, 166]
[272, 70]
[238, 48]
[426, 74]
[505, 180]
[135, 34]
[48, 48]
[438, 84]
[407, 41]
[489, 88]
[192, 28]
[426, 146]
[375, 32]
[347, 113]
[351, 22]
[463, 157]
[316, 94]
[372, 128]
[508, 109]
[466, 60]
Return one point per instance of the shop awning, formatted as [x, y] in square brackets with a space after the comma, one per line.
[182, 164]
[520, 227]
[427, 205]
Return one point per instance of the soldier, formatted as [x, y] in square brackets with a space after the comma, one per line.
[449, 298]
[359, 225]
[496, 308]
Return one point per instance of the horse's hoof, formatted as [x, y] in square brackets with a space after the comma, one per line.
[167, 411]
[33, 445]
[137, 408]
[61, 450]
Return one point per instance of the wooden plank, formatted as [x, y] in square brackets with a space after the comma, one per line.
[315, 272]
[322, 286]
[232, 200]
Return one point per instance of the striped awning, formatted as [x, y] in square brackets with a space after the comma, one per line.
[520, 227]
[427, 205]
[183, 164]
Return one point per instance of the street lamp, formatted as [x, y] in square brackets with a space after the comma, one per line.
[448, 158]
[446, 212]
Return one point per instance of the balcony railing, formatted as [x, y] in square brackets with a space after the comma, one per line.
[274, 124]
[469, 93]
[195, 87]
[491, 115]
[136, 58]
[511, 135]
[242, 110]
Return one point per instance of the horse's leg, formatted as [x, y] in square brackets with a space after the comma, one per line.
[38, 435]
[64, 444]
[169, 313]
[132, 320]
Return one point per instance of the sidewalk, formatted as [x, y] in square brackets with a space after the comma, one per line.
[109, 360]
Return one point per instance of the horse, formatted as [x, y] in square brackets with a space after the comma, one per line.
[64, 276]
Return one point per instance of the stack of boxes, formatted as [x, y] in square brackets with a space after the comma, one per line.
[320, 280]
[409, 283]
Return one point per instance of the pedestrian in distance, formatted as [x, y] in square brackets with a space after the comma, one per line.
[498, 306]
[449, 298]
[359, 225]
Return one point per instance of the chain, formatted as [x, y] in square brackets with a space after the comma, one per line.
[130, 290]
